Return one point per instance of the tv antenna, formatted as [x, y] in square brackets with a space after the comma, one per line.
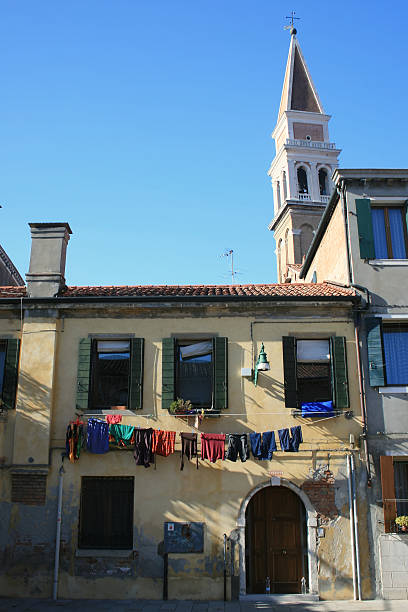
[230, 253]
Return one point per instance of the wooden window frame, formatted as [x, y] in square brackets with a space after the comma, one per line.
[180, 341]
[93, 373]
[387, 227]
[388, 490]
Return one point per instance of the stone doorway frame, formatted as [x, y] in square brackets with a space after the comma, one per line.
[311, 526]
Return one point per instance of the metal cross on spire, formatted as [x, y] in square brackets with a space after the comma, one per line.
[291, 27]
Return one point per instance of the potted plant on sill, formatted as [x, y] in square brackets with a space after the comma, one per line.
[180, 407]
[402, 522]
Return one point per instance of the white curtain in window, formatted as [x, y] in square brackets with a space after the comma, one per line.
[313, 350]
[113, 346]
[196, 349]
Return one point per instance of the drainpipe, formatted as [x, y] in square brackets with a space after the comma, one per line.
[353, 484]
[361, 387]
[58, 536]
[352, 532]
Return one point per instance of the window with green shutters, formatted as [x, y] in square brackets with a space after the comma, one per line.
[382, 230]
[387, 348]
[110, 374]
[195, 370]
[9, 358]
[315, 373]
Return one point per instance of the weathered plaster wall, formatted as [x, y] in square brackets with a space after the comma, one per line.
[213, 494]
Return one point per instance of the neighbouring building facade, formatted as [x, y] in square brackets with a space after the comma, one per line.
[76, 354]
[362, 242]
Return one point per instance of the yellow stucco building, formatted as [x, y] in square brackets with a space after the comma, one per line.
[284, 522]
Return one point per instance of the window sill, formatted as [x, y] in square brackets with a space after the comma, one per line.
[388, 262]
[102, 552]
[103, 412]
[396, 389]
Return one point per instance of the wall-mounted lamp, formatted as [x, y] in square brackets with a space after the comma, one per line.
[262, 363]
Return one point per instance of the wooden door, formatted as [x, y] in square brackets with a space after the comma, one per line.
[274, 543]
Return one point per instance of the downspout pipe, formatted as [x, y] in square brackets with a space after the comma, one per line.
[352, 532]
[361, 386]
[58, 534]
[357, 545]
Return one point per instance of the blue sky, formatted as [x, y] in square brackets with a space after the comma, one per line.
[146, 125]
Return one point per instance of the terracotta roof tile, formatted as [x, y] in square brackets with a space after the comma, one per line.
[284, 290]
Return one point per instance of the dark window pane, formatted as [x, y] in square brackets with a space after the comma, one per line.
[397, 233]
[396, 354]
[401, 486]
[314, 383]
[3, 347]
[106, 515]
[110, 377]
[195, 377]
[380, 240]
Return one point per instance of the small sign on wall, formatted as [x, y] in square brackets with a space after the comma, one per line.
[183, 537]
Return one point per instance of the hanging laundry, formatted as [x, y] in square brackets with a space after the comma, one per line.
[237, 446]
[122, 435]
[74, 440]
[113, 419]
[188, 447]
[163, 442]
[213, 447]
[97, 436]
[317, 409]
[290, 443]
[263, 446]
[143, 447]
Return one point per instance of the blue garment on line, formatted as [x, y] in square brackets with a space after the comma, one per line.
[317, 409]
[290, 443]
[263, 447]
[97, 437]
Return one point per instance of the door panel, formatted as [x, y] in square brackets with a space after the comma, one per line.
[274, 541]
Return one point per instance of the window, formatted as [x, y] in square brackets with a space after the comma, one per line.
[106, 512]
[387, 346]
[323, 182]
[195, 370]
[315, 371]
[302, 180]
[382, 230]
[110, 374]
[9, 356]
[394, 484]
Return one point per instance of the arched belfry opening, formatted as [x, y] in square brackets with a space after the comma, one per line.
[275, 542]
[323, 182]
[302, 180]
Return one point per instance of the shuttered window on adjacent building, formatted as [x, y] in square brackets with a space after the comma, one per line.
[394, 485]
[195, 370]
[382, 230]
[387, 348]
[9, 359]
[315, 371]
[106, 513]
[110, 374]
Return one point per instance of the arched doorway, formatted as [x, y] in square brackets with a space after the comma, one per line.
[276, 541]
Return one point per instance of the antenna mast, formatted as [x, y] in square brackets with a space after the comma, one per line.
[230, 253]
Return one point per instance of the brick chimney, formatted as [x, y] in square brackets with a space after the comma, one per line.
[46, 275]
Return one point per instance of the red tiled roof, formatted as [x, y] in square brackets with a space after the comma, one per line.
[284, 290]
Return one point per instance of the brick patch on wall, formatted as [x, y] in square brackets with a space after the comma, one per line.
[321, 493]
[29, 488]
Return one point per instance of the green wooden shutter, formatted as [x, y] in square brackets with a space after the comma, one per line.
[365, 229]
[220, 355]
[376, 366]
[289, 371]
[168, 372]
[339, 372]
[136, 374]
[84, 368]
[10, 374]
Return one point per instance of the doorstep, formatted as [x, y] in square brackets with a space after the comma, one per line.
[274, 598]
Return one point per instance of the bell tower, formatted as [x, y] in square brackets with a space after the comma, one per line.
[303, 165]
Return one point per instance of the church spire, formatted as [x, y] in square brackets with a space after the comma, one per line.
[298, 92]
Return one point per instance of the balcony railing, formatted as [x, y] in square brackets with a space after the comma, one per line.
[311, 144]
[324, 198]
[304, 197]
